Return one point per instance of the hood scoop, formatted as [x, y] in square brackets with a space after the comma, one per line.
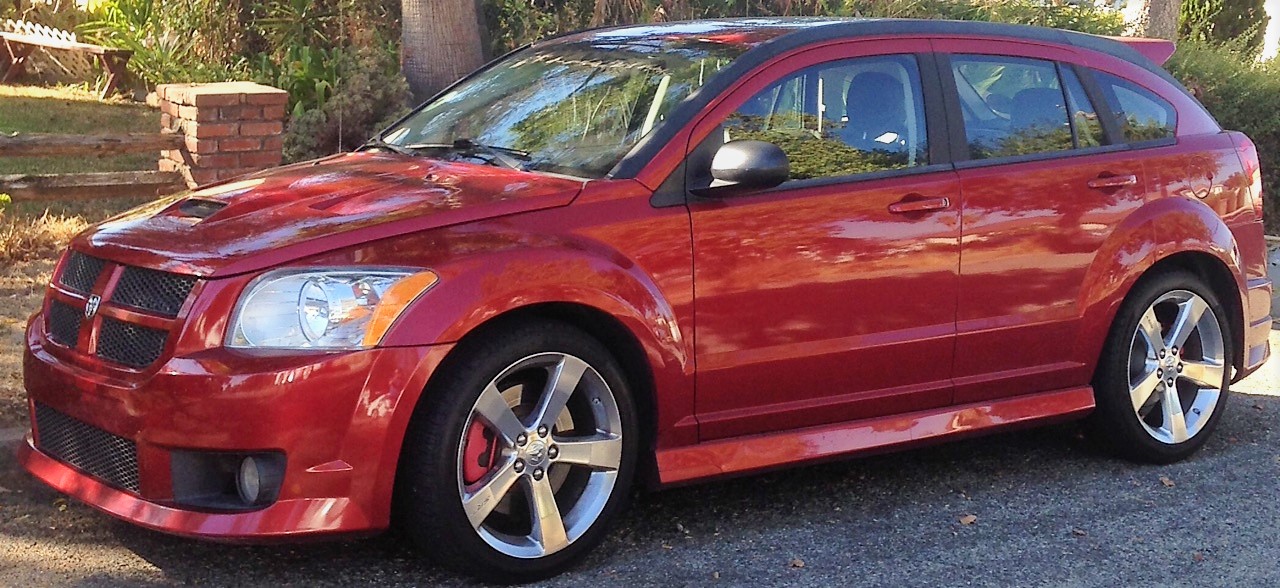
[198, 209]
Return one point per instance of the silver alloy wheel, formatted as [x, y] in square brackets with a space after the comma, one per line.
[1177, 363]
[534, 451]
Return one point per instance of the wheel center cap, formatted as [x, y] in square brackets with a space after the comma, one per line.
[1170, 361]
[536, 453]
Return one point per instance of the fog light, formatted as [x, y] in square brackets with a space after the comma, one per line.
[249, 481]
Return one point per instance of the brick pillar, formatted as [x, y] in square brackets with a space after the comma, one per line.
[231, 128]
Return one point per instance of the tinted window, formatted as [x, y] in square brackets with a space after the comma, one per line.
[840, 118]
[1011, 106]
[1143, 116]
[1084, 119]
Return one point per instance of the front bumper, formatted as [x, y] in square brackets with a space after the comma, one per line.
[338, 418]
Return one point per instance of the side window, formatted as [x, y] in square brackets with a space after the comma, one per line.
[1084, 119]
[1143, 116]
[840, 118]
[1011, 106]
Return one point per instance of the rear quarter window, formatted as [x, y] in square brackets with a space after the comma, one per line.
[1141, 114]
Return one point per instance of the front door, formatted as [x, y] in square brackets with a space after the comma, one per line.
[833, 296]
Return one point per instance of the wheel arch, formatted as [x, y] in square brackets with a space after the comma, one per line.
[611, 332]
[1166, 233]
[1219, 278]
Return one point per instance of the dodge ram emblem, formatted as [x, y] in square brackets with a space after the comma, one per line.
[91, 307]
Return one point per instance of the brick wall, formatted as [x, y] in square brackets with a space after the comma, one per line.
[231, 129]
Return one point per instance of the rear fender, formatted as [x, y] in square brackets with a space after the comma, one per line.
[1151, 235]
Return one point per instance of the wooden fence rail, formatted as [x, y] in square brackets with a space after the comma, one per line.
[43, 145]
[89, 185]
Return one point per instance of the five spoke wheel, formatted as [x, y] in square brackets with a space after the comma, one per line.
[1177, 363]
[541, 455]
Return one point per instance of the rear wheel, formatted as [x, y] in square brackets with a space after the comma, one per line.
[1163, 379]
[518, 460]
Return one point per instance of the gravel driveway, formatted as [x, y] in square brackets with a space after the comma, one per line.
[1049, 511]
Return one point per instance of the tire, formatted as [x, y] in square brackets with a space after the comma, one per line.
[475, 437]
[1170, 339]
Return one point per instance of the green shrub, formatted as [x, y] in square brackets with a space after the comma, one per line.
[365, 94]
[5, 202]
[1242, 94]
[1240, 22]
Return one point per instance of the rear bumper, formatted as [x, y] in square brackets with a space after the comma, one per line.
[338, 418]
[1257, 328]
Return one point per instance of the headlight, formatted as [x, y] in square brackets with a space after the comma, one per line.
[324, 309]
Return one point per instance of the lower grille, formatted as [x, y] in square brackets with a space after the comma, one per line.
[100, 454]
[129, 344]
[64, 323]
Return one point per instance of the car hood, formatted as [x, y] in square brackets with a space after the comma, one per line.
[284, 214]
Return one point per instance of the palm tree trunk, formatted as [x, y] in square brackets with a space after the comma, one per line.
[440, 42]
[1152, 18]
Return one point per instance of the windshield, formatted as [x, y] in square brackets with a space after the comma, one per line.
[573, 108]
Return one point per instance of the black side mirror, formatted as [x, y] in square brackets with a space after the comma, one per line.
[743, 166]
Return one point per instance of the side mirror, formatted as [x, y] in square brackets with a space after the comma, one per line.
[744, 165]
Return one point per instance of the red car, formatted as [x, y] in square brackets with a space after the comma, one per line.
[652, 255]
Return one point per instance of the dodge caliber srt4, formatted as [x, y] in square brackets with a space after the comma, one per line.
[648, 255]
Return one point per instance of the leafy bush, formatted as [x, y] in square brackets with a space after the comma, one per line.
[1242, 95]
[163, 51]
[356, 92]
[1240, 22]
[5, 201]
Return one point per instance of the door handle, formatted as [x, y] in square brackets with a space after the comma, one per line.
[911, 204]
[1107, 182]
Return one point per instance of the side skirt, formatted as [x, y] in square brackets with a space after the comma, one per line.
[754, 453]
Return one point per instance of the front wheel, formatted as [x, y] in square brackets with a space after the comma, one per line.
[518, 460]
[1163, 379]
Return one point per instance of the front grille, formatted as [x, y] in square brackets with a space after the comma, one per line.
[80, 272]
[151, 290]
[64, 323]
[100, 454]
[129, 344]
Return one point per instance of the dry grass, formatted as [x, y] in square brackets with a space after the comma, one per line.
[23, 239]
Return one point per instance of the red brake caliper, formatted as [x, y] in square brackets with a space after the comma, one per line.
[480, 454]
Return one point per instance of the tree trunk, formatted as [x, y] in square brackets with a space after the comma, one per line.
[1152, 18]
[440, 42]
[1271, 40]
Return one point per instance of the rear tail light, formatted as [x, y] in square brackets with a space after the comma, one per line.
[1248, 153]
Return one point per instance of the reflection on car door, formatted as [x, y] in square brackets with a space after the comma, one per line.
[831, 297]
[1040, 195]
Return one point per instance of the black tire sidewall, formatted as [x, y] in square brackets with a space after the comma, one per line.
[1114, 420]
[427, 503]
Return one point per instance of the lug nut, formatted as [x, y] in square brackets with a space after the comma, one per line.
[1179, 368]
[1159, 373]
[542, 431]
[518, 466]
[537, 474]
[1175, 350]
[553, 452]
[1162, 354]
[521, 439]
[1169, 382]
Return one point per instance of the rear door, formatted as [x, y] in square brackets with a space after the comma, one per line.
[1041, 192]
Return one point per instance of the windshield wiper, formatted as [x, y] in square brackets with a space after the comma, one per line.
[506, 156]
[379, 143]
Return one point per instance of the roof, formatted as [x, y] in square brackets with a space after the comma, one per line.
[776, 34]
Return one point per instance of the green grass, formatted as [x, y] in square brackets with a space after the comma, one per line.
[69, 110]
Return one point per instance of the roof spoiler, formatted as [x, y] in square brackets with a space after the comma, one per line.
[1157, 50]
